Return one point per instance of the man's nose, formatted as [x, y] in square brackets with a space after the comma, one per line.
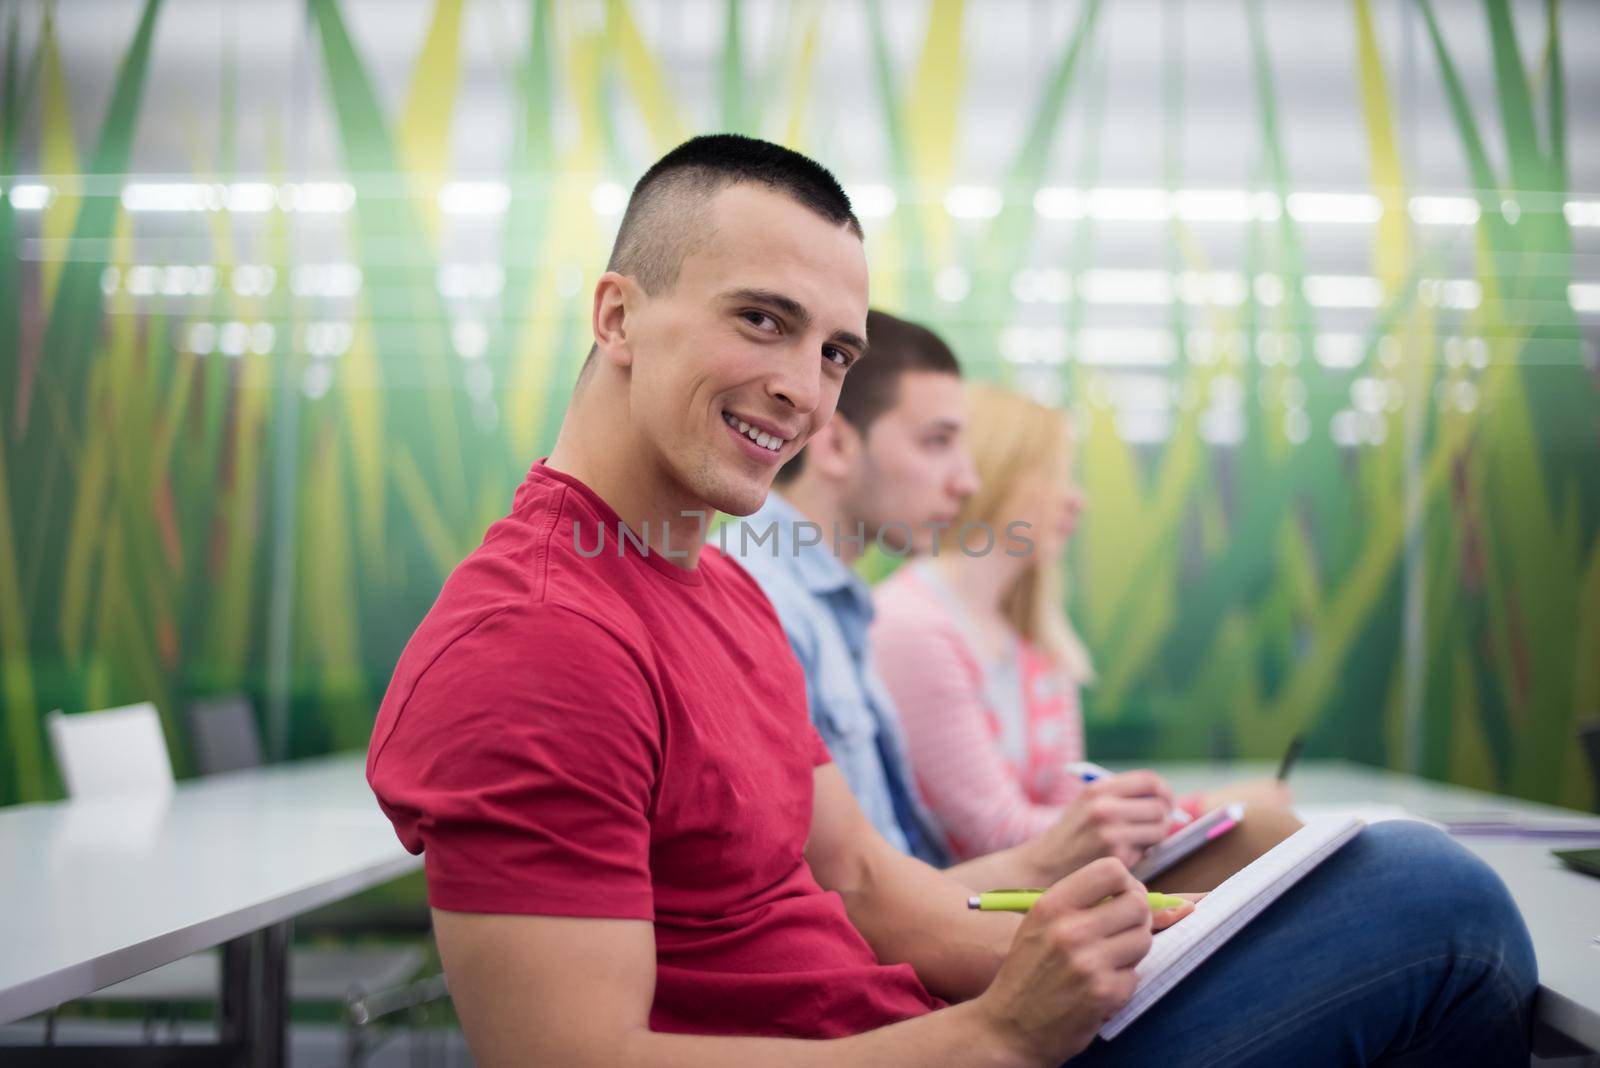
[966, 480]
[797, 383]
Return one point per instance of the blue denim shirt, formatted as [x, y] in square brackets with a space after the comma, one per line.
[826, 609]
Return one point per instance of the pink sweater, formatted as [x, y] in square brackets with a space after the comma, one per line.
[989, 743]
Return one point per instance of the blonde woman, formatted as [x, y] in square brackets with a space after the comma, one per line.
[975, 646]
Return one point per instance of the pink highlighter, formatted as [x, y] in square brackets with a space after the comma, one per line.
[1221, 829]
[1173, 848]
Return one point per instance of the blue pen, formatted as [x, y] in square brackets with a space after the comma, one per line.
[1088, 771]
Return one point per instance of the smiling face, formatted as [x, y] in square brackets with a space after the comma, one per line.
[734, 367]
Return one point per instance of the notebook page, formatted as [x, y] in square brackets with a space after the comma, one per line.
[1182, 948]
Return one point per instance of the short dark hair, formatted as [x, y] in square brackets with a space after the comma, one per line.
[872, 385]
[665, 220]
[657, 231]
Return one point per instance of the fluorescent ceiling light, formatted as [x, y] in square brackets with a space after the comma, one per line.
[1144, 427]
[1126, 287]
[320, 197]
[252, 196]
[1584, 296]
[254, 280]
[1059, 202]
[31, 196]
[1041, 286]
[1130, 205]
[202, 338]
[461, 280]
[1350, 428]
[872, 201]
[1113, 347]
[1369, 394]
[1464, 293]
[327, 337]
[1269, 289]
[608, 198]
[1578, 212]
[325, 280]
[1206, 347]
[1335, 207]
[1213, 287]
[1222, 426]
[1343, 291]
[1137, 391]
[1033, 344]
[1214, 205]
[1226, 391]
[470, 338]
[973, 201]
[172, 196]
[1444, 211]
[474, 198]
[952, 284]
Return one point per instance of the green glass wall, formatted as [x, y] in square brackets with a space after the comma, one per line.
[290, 297]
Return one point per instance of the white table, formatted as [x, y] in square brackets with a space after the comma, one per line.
[1561, 907]
[93, 892]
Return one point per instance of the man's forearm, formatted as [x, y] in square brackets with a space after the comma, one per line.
[912, 913]
[1002, 869]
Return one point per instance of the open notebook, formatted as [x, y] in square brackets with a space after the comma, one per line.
[1225, 911]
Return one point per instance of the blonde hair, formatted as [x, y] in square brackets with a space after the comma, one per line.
[1012, 437]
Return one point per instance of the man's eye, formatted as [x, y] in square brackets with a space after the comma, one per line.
[837, 357]
[760, 320]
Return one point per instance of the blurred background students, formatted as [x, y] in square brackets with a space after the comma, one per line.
[891, 468]
[975, 647]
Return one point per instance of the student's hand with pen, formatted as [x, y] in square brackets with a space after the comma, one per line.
[1118, 816]
[1071, 964]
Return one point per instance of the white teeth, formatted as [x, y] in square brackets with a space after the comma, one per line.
[770, 442]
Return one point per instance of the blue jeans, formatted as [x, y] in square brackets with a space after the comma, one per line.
[1400, 949]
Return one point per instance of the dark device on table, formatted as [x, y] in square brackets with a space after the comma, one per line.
[1584, 860]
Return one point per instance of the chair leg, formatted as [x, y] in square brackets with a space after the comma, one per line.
[416, 1035]
[355, 1028]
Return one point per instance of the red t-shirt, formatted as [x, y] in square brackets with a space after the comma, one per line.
[574, 735]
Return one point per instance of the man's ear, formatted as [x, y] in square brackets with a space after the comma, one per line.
[835, 450]
[614, 294]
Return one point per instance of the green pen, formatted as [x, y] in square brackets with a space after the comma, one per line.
[1022, 901]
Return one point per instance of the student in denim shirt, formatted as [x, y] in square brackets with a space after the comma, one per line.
[891, 469]
[826, 610]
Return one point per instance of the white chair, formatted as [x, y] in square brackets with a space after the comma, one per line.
[122, 752]
[115, 752]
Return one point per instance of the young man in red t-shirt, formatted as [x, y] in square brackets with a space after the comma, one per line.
[637, 851]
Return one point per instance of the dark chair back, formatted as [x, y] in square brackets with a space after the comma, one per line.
[1589, 734]
[223, 735]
